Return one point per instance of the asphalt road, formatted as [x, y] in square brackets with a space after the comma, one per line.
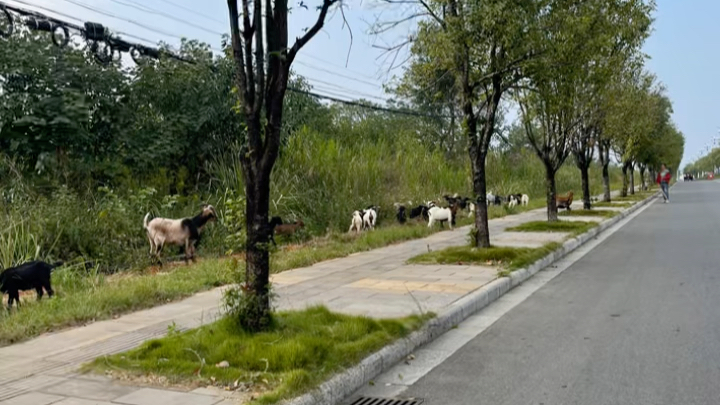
[635, 321]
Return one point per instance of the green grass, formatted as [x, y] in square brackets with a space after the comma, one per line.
[302, 349]
[588, 213]
[602, 204]
[572, 227]
[638, 196]
[508, 258]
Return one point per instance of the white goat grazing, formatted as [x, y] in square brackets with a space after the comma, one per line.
[369, 218]
[357, 222]
[441, 215]
[513, 201]
[490, 197]
[525, 200]
[183, 232]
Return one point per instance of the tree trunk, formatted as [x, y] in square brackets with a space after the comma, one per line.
[643, 186]
[477, 148]
[583, 163]
[551, 191]
[257, 259]
[481, 232]
[632, 178]
[624, 191]
[604, 155]
[585, 175]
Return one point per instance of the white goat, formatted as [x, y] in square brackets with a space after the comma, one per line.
[357, 222]
[513, 201]
[182, 232]
[490, 197]
[441, 215]
[525, 200]
[369, 218]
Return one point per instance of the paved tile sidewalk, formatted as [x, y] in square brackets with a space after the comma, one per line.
[377, 283]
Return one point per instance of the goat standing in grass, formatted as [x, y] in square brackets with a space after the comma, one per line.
[30, 275]
[357, 221]
[400, 213]
[441, 215]
[277, 227]
[525, 200]
[370, 217]
[183, 232]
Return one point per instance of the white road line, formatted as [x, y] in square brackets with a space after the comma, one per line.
[401, 376]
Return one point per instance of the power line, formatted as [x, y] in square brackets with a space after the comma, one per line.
[313, 80]
[146, 9]
[81, 21]
[336, 74]
[372, 107]
[195, 12]
[96, 34]
[111, 15]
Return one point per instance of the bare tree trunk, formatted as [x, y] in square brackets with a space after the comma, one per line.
[551, 191]
[643, 185]
[257, 260]
[624, 190]
[478, 149]
[585, 176]
[604, 155]
[632, 178]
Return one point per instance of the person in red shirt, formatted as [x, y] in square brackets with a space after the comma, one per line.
[663, 179]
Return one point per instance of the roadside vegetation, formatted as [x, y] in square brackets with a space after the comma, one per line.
[506, 258]
[588, 213]
[296, 353]
[572, 227]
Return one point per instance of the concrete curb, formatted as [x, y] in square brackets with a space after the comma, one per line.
[347, 382]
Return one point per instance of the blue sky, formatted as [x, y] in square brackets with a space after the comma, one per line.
[681, 48]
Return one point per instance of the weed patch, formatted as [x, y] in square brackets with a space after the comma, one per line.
[572, 227]
[300, 351]
[602, 204]
[509, 258]
[588, 213]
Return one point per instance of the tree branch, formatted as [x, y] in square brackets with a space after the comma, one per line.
[259, 53]
[300, 42]
[241, 78]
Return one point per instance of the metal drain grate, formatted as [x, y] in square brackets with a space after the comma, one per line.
[387, 401]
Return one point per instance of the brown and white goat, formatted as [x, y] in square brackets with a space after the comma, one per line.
[182, 232]
[278, 228]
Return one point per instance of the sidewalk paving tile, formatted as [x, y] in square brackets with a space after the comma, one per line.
[32, 398]
[81, 401]
[92, 390]
[151, 396]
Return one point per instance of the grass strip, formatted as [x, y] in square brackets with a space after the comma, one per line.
[508, 258]
[301, 350]
[602, 204]
[573, 227]
[588, 213]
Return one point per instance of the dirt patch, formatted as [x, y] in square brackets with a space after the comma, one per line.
[239, 392]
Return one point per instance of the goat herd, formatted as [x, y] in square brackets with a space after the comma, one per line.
[431, 212]
[185, 232]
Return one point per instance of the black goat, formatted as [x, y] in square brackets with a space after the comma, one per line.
[419, 211]
[274, 222]
[30, 275]
[401, 214]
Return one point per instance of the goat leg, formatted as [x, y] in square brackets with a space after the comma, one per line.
[39, 292]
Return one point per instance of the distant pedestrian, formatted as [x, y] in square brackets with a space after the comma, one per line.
[663, 179]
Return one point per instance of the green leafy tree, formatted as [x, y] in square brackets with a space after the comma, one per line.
[484, 46]
[560, 95]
